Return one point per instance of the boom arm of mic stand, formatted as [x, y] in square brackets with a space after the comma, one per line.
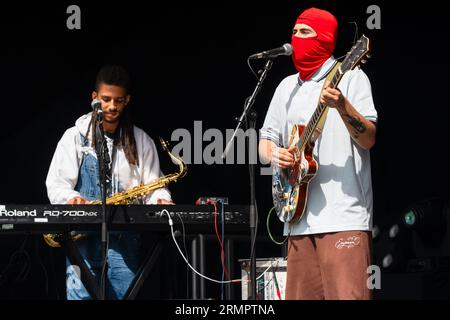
[248, 104]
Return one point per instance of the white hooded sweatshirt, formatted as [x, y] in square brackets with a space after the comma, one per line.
[64, 169]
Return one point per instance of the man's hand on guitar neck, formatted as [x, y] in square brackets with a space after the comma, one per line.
[280, 157]
[361, 130]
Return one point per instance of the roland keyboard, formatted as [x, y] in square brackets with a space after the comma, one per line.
[50, 218]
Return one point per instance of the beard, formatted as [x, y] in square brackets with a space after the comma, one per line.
[112, 117]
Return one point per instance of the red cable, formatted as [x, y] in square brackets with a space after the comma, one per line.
[218, 238]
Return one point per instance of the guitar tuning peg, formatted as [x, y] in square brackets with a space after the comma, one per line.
[363, 61]
[368, 56]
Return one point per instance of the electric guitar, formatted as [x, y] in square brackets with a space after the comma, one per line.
[290, 186]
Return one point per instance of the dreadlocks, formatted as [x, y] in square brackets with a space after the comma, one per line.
[118, 76]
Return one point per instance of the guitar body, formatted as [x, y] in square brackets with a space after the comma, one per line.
[290, 186]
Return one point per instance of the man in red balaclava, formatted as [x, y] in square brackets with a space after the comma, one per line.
[313, 40]
[329, 247]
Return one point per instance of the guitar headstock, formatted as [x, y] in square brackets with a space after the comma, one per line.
[358, 54]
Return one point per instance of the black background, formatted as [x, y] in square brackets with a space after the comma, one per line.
[188, 63]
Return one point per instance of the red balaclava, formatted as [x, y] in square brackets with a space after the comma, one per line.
[310, 53]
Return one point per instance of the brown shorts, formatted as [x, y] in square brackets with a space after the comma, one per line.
[329, 266]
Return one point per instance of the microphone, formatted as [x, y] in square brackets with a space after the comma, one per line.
[96, 105]
[176, 233]
[285, 50]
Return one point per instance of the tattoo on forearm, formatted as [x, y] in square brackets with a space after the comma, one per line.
[357, 125]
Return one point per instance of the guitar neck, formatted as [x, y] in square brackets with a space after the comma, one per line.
[317, 115]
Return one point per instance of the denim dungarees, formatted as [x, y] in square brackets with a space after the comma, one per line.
[124, 247]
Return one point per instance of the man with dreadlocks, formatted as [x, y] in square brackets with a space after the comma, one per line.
[329, 249]
[73, 178]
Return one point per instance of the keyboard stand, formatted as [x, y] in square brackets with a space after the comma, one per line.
[198, 252]
[88, 280]
[144, 270]
[76, 259]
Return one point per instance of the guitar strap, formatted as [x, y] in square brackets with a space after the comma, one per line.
[322, 119]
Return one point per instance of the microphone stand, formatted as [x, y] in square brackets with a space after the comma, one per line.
[105, 178]
[253, 206]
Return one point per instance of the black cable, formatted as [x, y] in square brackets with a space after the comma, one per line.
[251, 69]
[15, 260]
[355, 39]
[356, 36]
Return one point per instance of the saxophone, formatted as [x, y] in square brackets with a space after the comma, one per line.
[130, 195]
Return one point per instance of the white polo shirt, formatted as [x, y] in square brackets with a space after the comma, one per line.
[340, 195]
